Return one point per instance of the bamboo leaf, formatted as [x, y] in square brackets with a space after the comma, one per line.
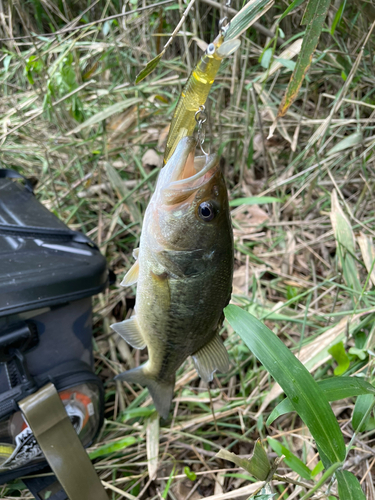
[306, 396]
[292, 6]
[315, 15]
[106, 113]
[334, 388]
[252, 11]
[290, 459]
[150, 66]
[348, 486]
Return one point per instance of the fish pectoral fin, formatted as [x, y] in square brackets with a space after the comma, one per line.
[131, 277]
[161, 391]
[211, 357]
[129, 330]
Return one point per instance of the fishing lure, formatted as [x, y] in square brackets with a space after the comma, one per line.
[196, 90]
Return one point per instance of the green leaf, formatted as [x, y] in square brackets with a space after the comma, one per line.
[306, 396]
[266, 58]
[190, 474]
[284, 407]
[338, 17]
[347, 143]
[334, 388]
[150, 66]
[287, 63]
[253, 200]
[319, 467]
[361, 412]
[348, 486]
[106, 113]
[292, 6]
[338, 353]
[169, 482]
[113, 447]
[257, 465]
[290, 459]
[252, 11]
[315, 15]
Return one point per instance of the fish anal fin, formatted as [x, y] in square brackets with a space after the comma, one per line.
[160, 391]
[129, 331]
[131, 277]
[211, 357]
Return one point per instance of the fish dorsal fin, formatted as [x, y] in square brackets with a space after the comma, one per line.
[129, 330]
[211, 357]
[131, 277]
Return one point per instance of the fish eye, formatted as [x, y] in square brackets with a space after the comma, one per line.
[206, 211]
[210, 49]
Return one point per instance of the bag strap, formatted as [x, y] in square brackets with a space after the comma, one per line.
[52, 428]
[7, 173]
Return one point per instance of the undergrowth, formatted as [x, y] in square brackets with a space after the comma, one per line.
[92, 141]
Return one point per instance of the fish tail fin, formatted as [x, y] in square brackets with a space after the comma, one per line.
[160, 391]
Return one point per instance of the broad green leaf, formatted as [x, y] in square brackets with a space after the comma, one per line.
[252, 11]
[253, 200]
[337, 351]
[306, 396]
[113, 447]
[257, 465]
[347, 143]
[334, 388]
[315, 15]
[348, 486]
[338, 17]
[290, 459]
[106, 113]
[361, 412]
[150, 66]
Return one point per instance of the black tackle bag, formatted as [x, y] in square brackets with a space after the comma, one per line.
[48, 274]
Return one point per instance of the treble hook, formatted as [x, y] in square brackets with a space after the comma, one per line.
[201, 118]
[224, 22]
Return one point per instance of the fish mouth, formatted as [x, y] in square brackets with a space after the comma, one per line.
[185, 173]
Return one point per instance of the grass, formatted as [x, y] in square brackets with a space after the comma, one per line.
[293, 268]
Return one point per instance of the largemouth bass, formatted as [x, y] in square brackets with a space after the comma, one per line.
[183, 272]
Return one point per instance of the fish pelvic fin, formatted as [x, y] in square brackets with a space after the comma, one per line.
[161, 391]
[131, 277]
[129, 330]
[211, 357]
